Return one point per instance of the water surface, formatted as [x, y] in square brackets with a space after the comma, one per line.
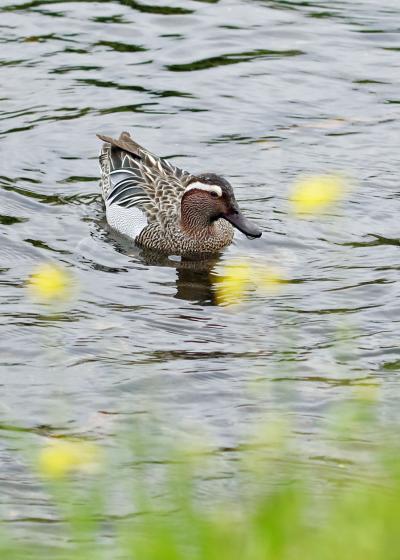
[260, 91]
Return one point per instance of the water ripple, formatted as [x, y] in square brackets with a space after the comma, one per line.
[232, 58]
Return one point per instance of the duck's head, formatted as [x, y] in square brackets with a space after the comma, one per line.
[209, 197]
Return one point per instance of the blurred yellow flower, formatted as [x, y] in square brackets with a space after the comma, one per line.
[60, 458]
[316, 194]
[232, 283]
[237, 277]
[268, 278]
[50, 282]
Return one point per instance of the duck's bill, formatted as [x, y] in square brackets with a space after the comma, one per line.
[243, 224]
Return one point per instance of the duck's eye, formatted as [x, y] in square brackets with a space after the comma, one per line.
[214, 194]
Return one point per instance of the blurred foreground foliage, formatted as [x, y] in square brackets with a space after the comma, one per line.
[279, 505]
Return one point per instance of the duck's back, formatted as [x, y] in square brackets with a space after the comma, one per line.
[140, 190]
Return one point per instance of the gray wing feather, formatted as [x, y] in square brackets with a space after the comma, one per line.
[132, 176]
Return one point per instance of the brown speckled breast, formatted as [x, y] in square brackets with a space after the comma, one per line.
[172, 240]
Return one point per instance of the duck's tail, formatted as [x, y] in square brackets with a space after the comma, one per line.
[110, 156]
[125, 143]
[125, 152]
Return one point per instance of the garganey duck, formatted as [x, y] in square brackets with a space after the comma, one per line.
[164, 208]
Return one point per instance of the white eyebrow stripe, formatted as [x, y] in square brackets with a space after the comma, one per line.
[203, 187]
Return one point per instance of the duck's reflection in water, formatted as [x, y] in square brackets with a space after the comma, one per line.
[193, 282]
[193, 274]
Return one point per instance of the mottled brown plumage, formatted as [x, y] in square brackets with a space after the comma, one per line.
[163, 207]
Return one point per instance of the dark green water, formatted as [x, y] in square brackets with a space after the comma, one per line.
[260, 91]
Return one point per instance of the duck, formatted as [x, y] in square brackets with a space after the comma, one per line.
[164, 208]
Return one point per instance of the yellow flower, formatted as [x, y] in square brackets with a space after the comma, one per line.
[60, 458]
[50, 282]
[236, 278]
[232, 283]
[267, 278]
[316, 194]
